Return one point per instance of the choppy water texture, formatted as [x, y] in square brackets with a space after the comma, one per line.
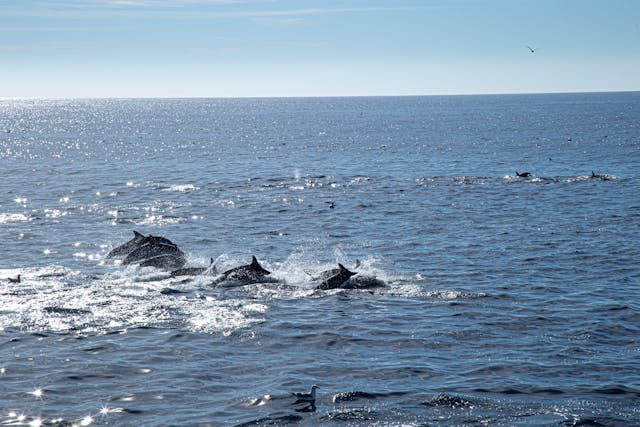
[508, 300]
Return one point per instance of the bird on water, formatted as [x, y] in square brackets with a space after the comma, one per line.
[306, 397]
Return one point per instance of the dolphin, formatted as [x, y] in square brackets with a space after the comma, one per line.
[364, 282]
[149, 251]
[124, 249]
[523, 174]
[246, 273]
[602, 176]
[195, 271]
[328, 273]
[337, 280]
[151, 247]
[164, 262]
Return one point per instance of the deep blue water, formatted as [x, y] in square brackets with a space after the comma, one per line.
[508, 300]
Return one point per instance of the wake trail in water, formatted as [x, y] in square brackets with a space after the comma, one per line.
[59, 300]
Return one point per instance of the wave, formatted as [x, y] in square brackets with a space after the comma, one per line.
[613, 390]
[272, 420]
[449, 400]
[352, 396]
[445, 180]
[14, 217]
[181, 188]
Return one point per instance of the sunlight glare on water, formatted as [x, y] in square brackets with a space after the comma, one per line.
[481, 297]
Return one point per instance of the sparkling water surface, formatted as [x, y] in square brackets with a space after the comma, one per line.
[507, 300]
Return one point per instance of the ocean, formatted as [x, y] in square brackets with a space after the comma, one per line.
[502, 300]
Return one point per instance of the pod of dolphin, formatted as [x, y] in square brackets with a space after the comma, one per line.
[161, 253]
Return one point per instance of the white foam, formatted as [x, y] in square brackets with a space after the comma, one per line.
[61, 300]
[182, 188]
[55, 299]
[15, 217]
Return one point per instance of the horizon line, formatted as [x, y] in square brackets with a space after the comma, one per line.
[58, 98]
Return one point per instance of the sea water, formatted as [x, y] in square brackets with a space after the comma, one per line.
[506, 300]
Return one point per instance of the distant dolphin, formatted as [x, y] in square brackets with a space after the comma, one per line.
[523, 174]
[246, 273]
[338, 279]
[602, 176]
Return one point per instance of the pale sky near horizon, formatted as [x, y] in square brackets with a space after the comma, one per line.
[229, 48]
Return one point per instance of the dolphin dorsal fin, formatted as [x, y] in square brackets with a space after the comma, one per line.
[254, 261]
[344, 269]
[137, 235]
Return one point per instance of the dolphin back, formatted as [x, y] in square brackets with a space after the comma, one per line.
[150, 250]
[246, 273]
[337, 280]
[124, 249]
[165, 262]
[153, 251]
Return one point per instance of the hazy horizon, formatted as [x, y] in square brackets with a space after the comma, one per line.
[18, 98]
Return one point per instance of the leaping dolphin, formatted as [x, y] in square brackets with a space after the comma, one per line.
[165, 262]
[246, 273]
[151, 247]
[149, 251]
[337, 280]
[328, 273]
[124, 249]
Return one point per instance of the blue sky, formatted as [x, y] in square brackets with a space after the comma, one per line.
[223, 48]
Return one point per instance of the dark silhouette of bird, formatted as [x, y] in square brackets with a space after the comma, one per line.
[306, 397]
[14, 280]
